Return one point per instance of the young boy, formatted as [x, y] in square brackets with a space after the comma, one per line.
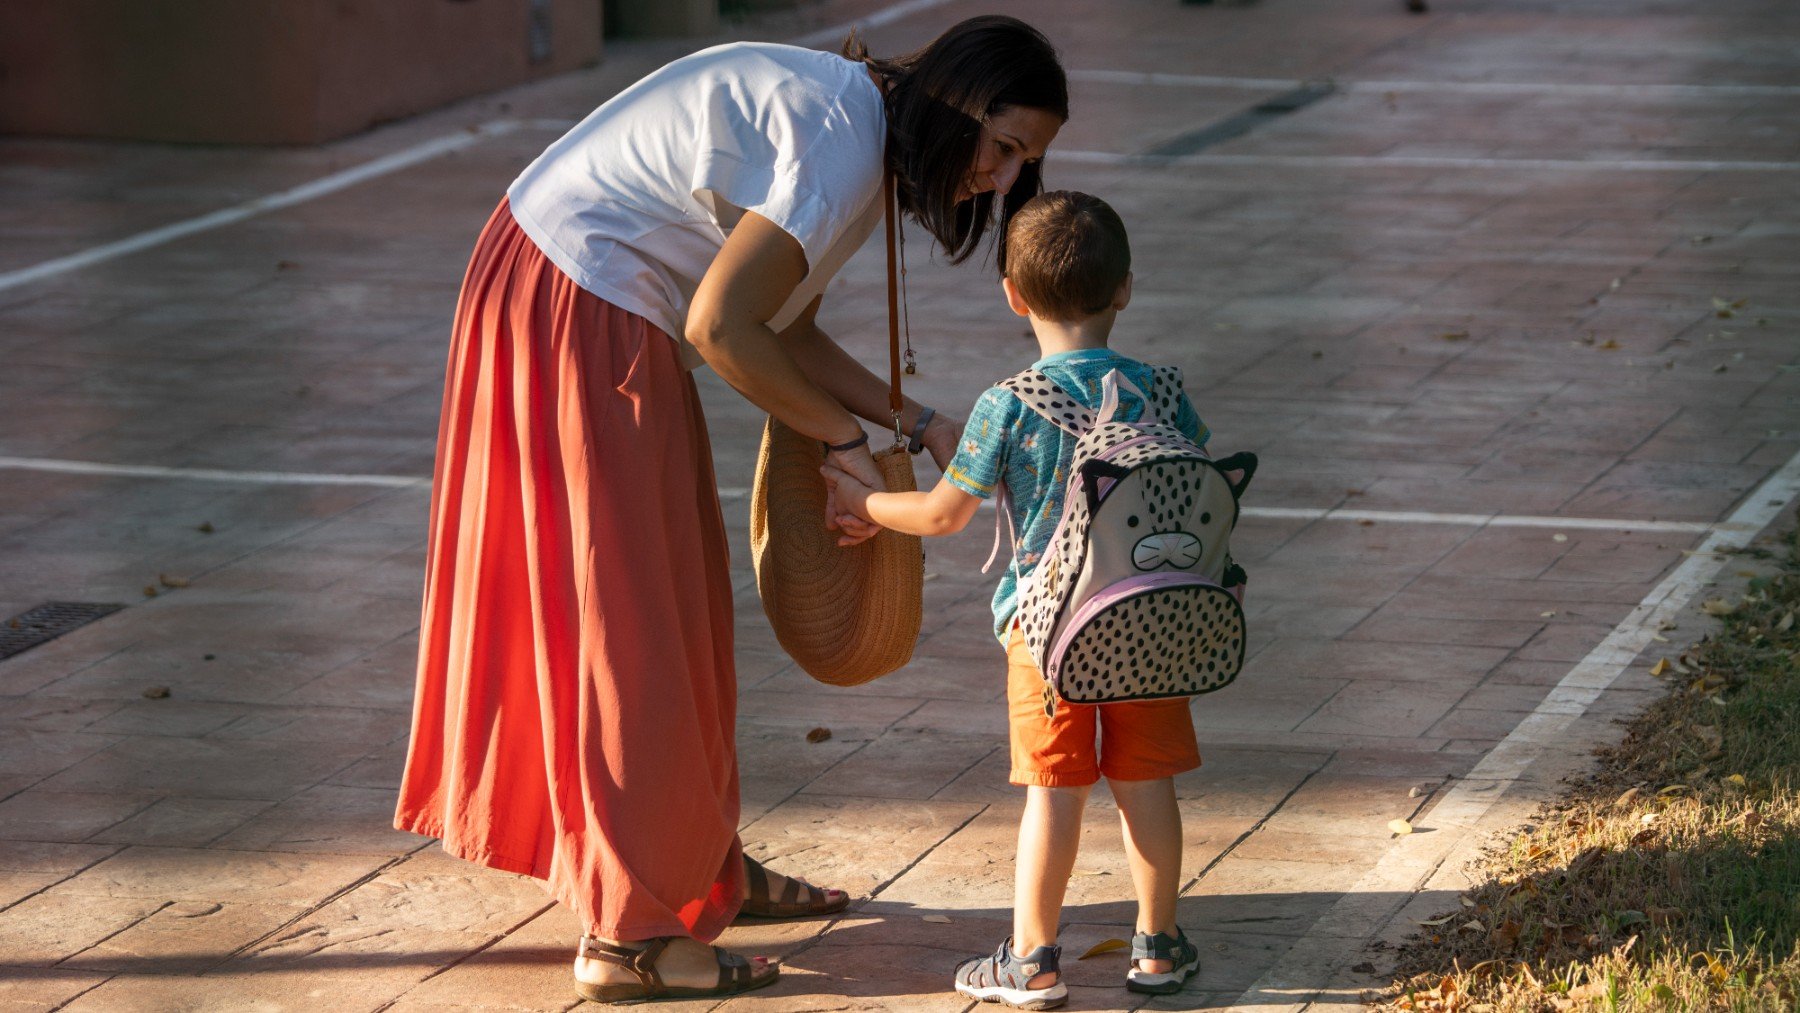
[1068, 270]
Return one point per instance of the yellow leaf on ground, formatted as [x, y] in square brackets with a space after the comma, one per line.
[1717, 607]
[1104, 946]
[1400, 827]
[1737, 780]
[1660, 669]
[937, 919]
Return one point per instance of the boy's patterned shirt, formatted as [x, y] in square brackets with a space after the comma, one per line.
[1006, 441]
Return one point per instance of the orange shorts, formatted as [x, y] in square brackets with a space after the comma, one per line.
[1145, 740]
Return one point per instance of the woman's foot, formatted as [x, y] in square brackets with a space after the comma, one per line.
[769, 894]
[682, 963]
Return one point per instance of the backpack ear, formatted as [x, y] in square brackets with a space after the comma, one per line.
[1243, 461]
[1091, 474]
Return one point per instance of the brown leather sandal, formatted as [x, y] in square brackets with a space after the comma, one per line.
[735, 974]
[759, 905]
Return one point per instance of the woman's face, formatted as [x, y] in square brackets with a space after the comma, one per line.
[1009, 138]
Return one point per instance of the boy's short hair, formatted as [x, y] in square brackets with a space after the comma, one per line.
[1067, 254]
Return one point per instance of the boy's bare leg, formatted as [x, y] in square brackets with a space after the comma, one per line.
[1152, 823]
[1049, 837]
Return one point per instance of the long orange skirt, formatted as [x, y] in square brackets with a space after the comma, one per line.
[576, 697]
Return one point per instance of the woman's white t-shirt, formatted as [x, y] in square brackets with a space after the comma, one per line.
[635, 202]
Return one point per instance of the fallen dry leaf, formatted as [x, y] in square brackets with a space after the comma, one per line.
[157, 693]
[818, 735]
[1400, 828]
[1660, 669]
[1104, 946]
[204, 527]
[1437, 921]
[1559, 537]
[150, 590]
[936, 919]
[1455, 335]
[1717, 607]
[168, 581]
[1609, 345]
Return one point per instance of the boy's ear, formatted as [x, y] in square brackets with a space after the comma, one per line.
[1013, 298]
[1122, 297]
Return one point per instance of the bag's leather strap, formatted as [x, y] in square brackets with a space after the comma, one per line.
[896, 400]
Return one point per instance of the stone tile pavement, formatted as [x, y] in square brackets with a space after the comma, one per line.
[1531, 259]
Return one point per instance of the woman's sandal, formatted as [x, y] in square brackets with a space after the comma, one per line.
[817, 902]
[1005, 977]
[735, 974]
[1161, 946]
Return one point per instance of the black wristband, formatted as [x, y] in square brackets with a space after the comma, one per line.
[918, 434]
[862, 439]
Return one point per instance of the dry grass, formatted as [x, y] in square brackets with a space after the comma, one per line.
[1670, 878]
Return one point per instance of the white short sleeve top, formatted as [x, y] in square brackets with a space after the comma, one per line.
[636, 200]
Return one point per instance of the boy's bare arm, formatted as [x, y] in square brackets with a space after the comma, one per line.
[944, 510]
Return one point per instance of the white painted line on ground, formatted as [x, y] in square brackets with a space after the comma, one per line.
[835, 34]
[286, 198]
[1139, 78]
[1065, 157]
[210, 474]
[1477, 520]
[1337, 939]
[67, 467]
[382, 166]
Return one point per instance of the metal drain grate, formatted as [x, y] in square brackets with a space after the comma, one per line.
[1244, 122]
[48, 621]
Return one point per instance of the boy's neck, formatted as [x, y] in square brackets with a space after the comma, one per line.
[1055, 336]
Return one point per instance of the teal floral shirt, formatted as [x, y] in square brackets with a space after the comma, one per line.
[1008, 442]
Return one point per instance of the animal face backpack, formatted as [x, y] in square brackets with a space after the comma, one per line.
[1136, 596]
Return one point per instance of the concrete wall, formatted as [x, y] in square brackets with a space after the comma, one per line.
[266, 71]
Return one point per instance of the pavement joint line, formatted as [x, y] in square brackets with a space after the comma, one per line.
[1113, 158]
[1262, 820]
[393, 162]
[1474, 520]
[1132, 77]
[1339, 934]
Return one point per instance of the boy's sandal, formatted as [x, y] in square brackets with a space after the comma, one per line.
[735, 974]
[1176, 949]
[790, 904]
[1005, 977]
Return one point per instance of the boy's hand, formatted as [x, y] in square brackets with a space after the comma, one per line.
[859, 466]
[850, 497]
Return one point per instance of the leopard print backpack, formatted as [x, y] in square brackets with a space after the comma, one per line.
[1136, 596]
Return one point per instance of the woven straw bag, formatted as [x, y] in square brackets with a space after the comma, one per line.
[845, 614]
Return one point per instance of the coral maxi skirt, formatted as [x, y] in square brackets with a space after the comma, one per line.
[576, 697]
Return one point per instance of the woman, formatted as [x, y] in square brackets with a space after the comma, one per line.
[576, 697]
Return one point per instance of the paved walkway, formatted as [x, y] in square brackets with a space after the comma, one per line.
[1528, 259]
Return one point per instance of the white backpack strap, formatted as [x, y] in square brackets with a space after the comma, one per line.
[1055, 405]
[1109, 398]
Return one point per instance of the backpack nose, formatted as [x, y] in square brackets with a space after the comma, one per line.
[1174, 548]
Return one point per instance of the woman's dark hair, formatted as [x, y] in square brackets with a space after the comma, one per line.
[937, 100]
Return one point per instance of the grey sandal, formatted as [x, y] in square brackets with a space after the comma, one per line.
[1176, 949]
[735, 974]
[1004, 977]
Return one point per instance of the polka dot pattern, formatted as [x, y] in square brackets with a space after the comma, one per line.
[1178, 641]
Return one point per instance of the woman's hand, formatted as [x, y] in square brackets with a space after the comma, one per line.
[859, 465]
[940, 437]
